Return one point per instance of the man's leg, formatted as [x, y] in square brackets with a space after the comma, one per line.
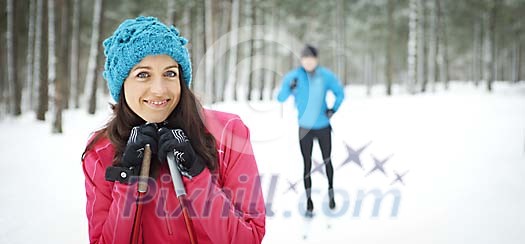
[325, 143]
[306, 142]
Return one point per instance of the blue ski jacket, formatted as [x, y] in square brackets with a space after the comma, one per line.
[310, 95]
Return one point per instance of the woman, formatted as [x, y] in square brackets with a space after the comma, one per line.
[148, 71]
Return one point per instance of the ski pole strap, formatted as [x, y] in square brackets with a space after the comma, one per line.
[121, 174]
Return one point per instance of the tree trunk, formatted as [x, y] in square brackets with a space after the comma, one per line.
[475, 53]
[63, 53]
[389, 39]
[224, 14]
[432, 51]
[276, 17]
[255, 54]
[339, 44]
[91, 81]
[209, 52]
[61, 87]
[412, 46]
[185, 26]
[74, 55]
[368, 74]
[198, 47]
[41, 52]
[51, 55]
[437, 39]
[12, 69]
[519, 60]
[422, 46]
[29, 95]
[242, 89]
[270, 53]
[171, 12]
[251, 51]
[234, 44]
[57, 121]
[242, 86]
[3, 71]
[491, 45]
[444, 46]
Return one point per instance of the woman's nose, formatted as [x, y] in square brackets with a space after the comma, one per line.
[158, 86]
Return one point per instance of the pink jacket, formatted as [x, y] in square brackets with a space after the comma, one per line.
[227, 207]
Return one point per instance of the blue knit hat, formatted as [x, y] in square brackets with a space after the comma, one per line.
[137, 38]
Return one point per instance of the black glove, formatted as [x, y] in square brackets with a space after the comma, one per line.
[134, 153]
[329, 113]
[174, 140]
[293, 85]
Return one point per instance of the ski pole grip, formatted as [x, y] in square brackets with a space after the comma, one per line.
[175, 175]
[144, 170]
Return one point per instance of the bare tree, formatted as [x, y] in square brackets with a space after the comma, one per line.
[422, 58]
[3, 78]
[56, 92]
[74, 54]
[516, 56]
[433, 45]
[41, 60]
[12, 69]
[223, 13]
[270, 52]
[170, 12]
[29, 95]
[198, 47]
[51, 55]
[91, 73]
[255, 85]
[242, 83]
[443, 48]
[476, 51]
[339, 39]
[232, 60]
[64, 43]
[209, 57]
[388, 42]
[491, 44]
[251, 50]
[412, 46]
[61, 92]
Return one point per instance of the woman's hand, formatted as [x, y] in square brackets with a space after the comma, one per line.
[174, 140]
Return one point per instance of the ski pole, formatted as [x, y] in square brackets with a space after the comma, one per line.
[180, 191]
[142, 189]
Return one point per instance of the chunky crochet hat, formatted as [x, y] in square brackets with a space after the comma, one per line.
[137, 38]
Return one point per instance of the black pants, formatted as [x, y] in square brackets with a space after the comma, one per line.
[306, 140]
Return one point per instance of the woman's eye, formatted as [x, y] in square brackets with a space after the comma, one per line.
[142, 75]
[170, 73]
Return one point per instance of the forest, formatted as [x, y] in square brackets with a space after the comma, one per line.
[52, 56]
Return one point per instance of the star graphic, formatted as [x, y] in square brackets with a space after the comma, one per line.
[379, 165]
[292, 186]
[399, 177]
[353, 155]
[319, 167]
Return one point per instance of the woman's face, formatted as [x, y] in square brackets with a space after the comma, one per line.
[152, 88]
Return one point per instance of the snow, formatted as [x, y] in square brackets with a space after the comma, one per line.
[464, 151]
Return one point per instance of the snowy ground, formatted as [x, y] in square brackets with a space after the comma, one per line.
[464, 151]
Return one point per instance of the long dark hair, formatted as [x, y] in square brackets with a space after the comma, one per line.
[187, 116]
